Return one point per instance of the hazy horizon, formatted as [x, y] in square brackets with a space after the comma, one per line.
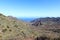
[30, 8]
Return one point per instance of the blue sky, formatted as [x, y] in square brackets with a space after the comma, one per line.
[30, 8]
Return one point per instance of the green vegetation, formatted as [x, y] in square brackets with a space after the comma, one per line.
[4, 30]
[7, 26]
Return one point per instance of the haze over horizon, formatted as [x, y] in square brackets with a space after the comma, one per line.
[30, 8]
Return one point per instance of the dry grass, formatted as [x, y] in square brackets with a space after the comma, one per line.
[14, 29]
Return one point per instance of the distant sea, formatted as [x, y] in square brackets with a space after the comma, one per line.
[27, 19]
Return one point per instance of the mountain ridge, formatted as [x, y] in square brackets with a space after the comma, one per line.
[47, 22]
[12, 28]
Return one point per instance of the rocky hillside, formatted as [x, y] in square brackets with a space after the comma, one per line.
[49, 25]
[13, 29]
[47, 22]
